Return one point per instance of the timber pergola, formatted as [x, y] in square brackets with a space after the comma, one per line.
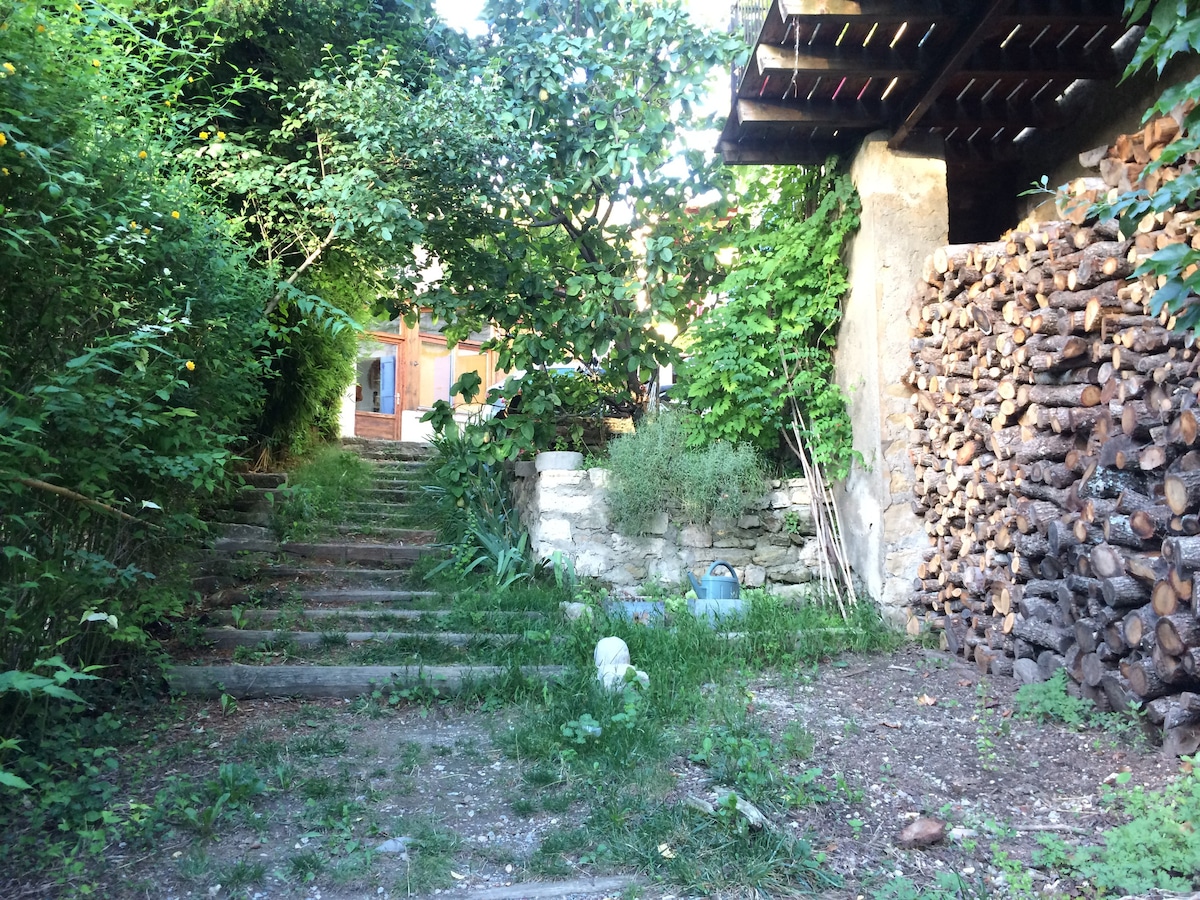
[972, 74]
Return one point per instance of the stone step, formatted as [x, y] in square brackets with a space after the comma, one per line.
[255, 615]
[226, 638]
[239, 531]
[389, 495]
[394, 535]
[407, 485]
[262, 518]
[251, 682]
[392, 450]
[264, 479]
[350, 551]
[341, 597]
[225, 571]
[552, 890]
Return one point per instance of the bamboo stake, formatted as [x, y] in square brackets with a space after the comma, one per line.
[38, 484]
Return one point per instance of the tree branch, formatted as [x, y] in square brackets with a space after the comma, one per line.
[39, 485]
[309, 260]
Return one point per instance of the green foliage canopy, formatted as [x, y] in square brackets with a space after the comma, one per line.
[600, 228]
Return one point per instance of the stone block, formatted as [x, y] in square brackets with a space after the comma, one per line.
[594, 562]
[562, 478]
[735, 557]
[810, 553]
[899, 521]
[524, 469]
[599, 478]
[899, 483]
[565, 505]
[695, 536]
[780, 500]
[795, 593]
[658, 525]
[554, 530]
[767, 555]
[749, 522]
[754, 577]
[791, 574]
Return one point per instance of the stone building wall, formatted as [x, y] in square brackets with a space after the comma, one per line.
[567, 511]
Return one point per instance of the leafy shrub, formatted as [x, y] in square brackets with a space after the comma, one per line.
[653, 470]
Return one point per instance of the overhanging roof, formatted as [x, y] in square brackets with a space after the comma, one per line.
[974, 73]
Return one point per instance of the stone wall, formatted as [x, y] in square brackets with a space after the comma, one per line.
[567, 511]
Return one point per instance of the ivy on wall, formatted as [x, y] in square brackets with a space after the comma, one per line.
[771, 338]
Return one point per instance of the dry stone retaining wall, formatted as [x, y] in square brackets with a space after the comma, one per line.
[567, 511]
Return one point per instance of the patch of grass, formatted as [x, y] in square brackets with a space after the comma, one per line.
[326, 743]
[430, 855]
[306, 866]
[319, 491]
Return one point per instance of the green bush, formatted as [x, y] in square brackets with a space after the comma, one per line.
[653, 470]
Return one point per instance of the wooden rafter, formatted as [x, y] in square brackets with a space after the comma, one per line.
[972, 35]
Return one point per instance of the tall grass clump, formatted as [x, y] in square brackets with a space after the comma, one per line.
[319, 489]
[653, 471]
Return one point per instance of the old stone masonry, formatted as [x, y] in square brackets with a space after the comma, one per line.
[567, 511]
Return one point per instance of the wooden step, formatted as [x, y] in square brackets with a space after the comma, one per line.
[264, 479]
[340, 597]
[250, 682]
[255, 615]
[226, 638]
[350, 551]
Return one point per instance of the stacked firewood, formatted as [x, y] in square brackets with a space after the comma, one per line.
[1054, 439]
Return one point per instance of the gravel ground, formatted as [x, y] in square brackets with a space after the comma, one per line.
[912, 734]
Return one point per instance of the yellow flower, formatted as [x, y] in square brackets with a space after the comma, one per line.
[204, 135]
[145, 231]
[78, 8]
[10, 68]
[168, 102]
[3, 138]
[133, 226]
[96, 63]
[142, 154]
[5, 171]
[174, 214]
[41, 28]
[190, 366]
[220, 135]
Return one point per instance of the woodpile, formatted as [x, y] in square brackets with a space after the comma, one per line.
[1054, 437]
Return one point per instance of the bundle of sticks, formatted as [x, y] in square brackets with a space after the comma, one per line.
[1054, 438]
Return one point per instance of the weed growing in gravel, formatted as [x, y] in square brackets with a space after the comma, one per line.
[430, 855]
[1158, 847]
[1048, 701]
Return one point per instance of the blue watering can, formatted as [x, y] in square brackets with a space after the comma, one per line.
[717, 596]
[717, 587]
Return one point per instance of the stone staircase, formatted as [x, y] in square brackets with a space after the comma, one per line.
[337, 616]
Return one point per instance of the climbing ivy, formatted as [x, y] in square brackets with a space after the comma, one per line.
[1173, 28]
[770, 339]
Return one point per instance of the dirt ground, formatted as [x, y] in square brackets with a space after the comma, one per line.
[900, 736]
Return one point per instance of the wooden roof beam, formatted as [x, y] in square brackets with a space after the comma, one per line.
[779, 153]
[765, 114]
[866, 11]
[934, 86]
[786, 60]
